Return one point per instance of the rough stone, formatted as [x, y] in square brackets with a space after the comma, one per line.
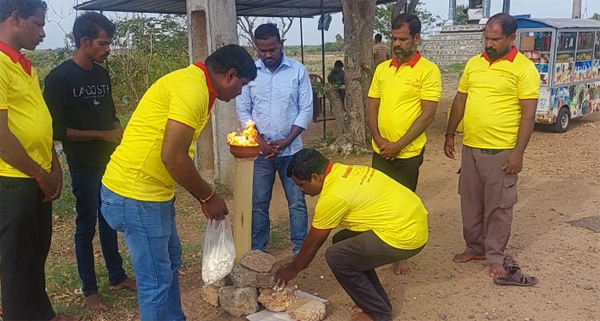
[278, 301]
[258, 261]
[242, 277]
[220, 283]
[307, 310]
[210, 294]
[238, 301]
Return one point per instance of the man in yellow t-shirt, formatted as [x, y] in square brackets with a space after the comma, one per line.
[497, 96]
[383, 222]
[403, 99]
[30, 174]
[155, 154]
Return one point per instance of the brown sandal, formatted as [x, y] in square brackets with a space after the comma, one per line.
[514, 276]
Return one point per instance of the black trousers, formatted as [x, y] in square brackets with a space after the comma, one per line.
[403, 170]
[25, 234]
[353, 258]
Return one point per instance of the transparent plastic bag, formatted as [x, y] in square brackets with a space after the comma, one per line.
[218, 254]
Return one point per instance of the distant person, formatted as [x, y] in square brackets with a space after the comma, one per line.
[381, 52]
[280, 103]
[78, 94]
[496, 100]
[402, 103]
[156, 153]
[30, 174]
[382, 222]
[337, 78]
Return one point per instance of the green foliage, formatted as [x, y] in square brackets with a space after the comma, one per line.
[144, 49]
[383, 19]
[456, 68]
[462, 16]
[596, 16]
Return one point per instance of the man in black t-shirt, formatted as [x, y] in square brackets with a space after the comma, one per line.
[78, 94]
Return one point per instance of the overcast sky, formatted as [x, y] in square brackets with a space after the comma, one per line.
[61, 18]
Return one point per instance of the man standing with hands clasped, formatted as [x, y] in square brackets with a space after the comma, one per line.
[279, 101]
[30, 174]
[403, 99]
[78, 94]
[497, 98]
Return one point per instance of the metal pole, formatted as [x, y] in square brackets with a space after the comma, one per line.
[506, 6]
[576, 9]
[324, 101]
[452, 12]
[487, 4]
[301, 41]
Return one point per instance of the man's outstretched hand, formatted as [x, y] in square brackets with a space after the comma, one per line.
[284, 275]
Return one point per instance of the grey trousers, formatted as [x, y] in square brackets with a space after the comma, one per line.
[353, 258]
[487, 197]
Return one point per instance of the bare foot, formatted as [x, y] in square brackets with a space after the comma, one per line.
[62, 317]
[360, 316]
[356, 309]
[94, 303]
[497, 270]
[402, 268]
[466, 257]
[129, 283]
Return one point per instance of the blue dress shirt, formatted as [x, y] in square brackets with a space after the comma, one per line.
[276, 101]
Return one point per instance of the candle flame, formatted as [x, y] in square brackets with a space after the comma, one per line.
[246, 138]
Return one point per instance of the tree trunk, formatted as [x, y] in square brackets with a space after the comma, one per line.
[398, 8]
[359, 20]
[412, 6]
[339, 110]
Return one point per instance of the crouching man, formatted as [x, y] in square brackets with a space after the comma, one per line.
[383, 222]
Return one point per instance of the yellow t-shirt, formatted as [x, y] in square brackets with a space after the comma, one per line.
[401, 88]
[493, 108]
[361, 199]
[136, 170]
[28, 116]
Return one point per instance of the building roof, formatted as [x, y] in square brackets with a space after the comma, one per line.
[559, 23]
[255, 8]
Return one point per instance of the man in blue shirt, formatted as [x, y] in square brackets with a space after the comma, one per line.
[280, 102]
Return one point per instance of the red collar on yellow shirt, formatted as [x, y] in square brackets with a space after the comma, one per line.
[412, 63]
[16, 57]
[211, 91]
[510, 56]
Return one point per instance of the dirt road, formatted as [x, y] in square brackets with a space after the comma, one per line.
[560, 183]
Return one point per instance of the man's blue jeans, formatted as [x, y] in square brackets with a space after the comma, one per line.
[264, 178]
[86, 189]
[151, 235]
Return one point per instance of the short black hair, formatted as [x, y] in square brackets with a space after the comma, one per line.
[413, 22]
[338, 63]
[89, 25]
[25, 7]
[267, 31]
[232, 57]
[506, 22]
[305, 163]
[378, 37]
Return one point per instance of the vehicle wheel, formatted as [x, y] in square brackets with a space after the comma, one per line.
[563, 120]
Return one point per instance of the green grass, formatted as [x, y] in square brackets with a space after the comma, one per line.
[456, 68]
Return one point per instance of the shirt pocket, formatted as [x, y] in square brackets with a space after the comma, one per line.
[286, 90]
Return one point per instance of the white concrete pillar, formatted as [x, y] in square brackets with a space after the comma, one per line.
[576, 14]
[213, 24]
[451, 12]
[487, 8]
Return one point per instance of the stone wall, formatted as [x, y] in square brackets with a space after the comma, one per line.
[454, 44]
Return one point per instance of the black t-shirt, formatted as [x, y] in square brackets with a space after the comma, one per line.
[81, 99]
